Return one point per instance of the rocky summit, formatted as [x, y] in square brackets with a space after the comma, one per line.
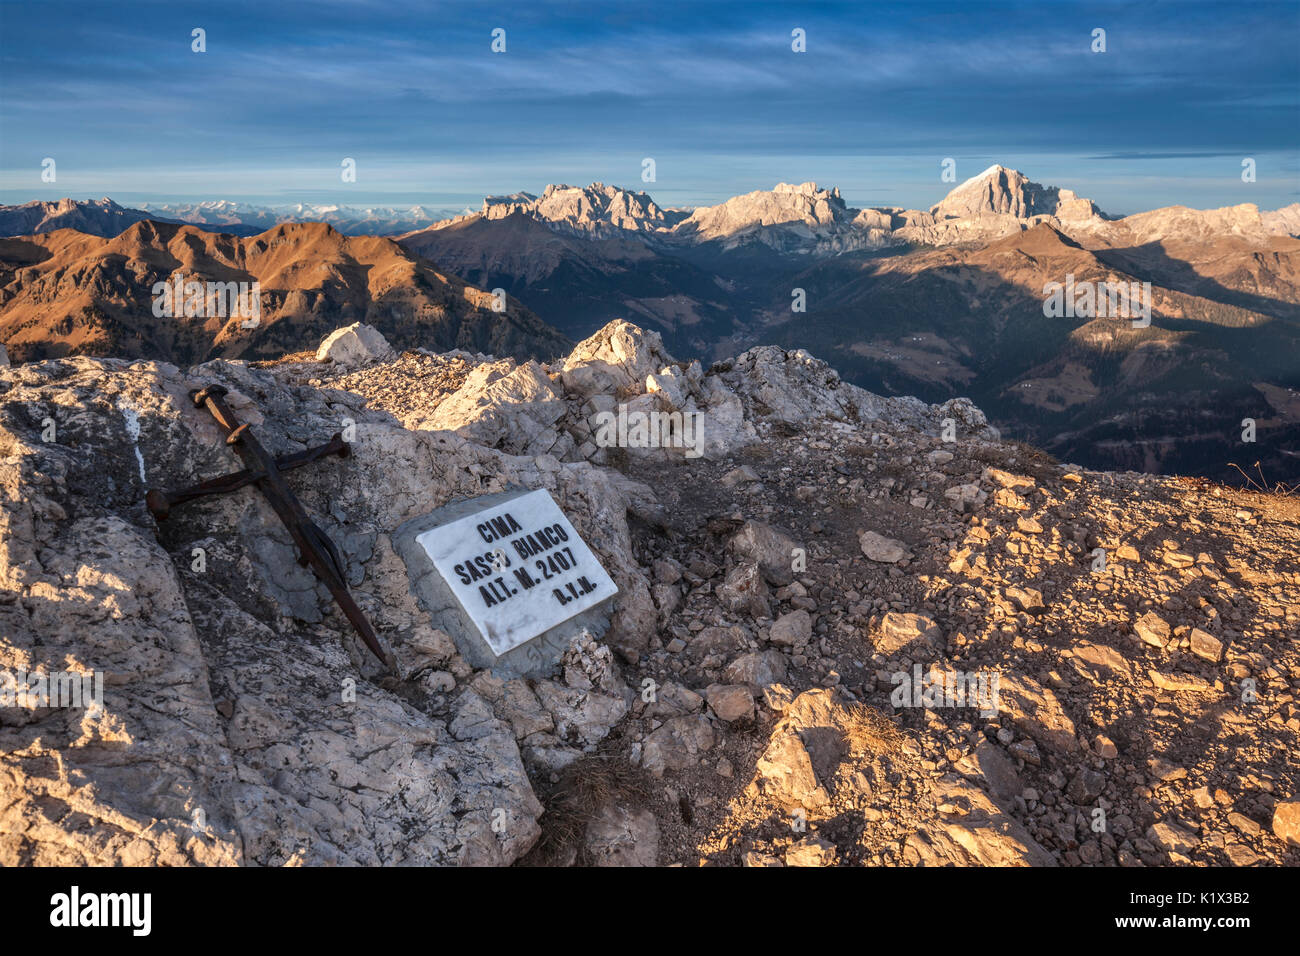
[849, 629]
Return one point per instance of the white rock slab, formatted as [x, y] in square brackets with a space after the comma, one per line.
[517, 569]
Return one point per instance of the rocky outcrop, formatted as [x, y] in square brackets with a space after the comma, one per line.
[355, 344]
[817, 655]
[221, 657]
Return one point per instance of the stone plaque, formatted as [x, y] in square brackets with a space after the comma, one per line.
[508, 577]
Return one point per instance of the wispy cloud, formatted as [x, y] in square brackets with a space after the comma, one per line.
[413, 90]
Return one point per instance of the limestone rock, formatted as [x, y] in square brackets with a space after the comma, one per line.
[811, 851]
[582, 717]
[879, 548]
[619, 836]
[772, 550]
[745, 591]
[731, 702]
[1205, 646]
[1037, 711]
[354, 344]
[793, 629]
[1172, 838]
[1152, 629]
[503, 405]
[785, 773]
[1027, 599]
[1179, 681]
[1286, 821]
[757, 669]
[678, 744]
[971, 830]
[619, 356]
[898, 631]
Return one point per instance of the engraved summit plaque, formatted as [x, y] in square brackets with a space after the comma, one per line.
[517, 568]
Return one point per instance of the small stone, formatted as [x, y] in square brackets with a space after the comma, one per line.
[1105, 747]
[758, 669]
[731, 702]
[666, 572]
[792, 630]
[1245, 824]
[998, 771]
[882, 549]
[618, 836]
[1028, 599]
[1205, 646]
[1086, 786]
[1286, 822]
[1180, 682]
[1007, 479]
[811, 851]
[1172, 838]
[1165, 771]
[744, 591]
[1240, 855]
[966, 497]
[1152, 629]
[898, 630]
[1026, 750]
[771, 549]
[739, 476]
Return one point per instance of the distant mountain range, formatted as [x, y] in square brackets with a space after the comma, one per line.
[103, 217]
[939, 302]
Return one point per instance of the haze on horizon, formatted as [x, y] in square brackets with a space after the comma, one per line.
[712, 92]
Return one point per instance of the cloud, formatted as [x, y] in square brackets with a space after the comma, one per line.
[700, 86]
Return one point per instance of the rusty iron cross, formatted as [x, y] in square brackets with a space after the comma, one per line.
[266, 473]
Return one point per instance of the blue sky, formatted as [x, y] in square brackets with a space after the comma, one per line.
[711, 91]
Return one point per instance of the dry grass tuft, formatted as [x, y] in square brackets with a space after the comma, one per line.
[867, 730]
[584, 786]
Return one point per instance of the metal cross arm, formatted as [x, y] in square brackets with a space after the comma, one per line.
[266, 473]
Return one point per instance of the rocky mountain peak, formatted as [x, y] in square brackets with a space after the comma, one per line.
[786, 216]
[595, 210]
[96, 216]
[1009, 192]
[942, 660]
